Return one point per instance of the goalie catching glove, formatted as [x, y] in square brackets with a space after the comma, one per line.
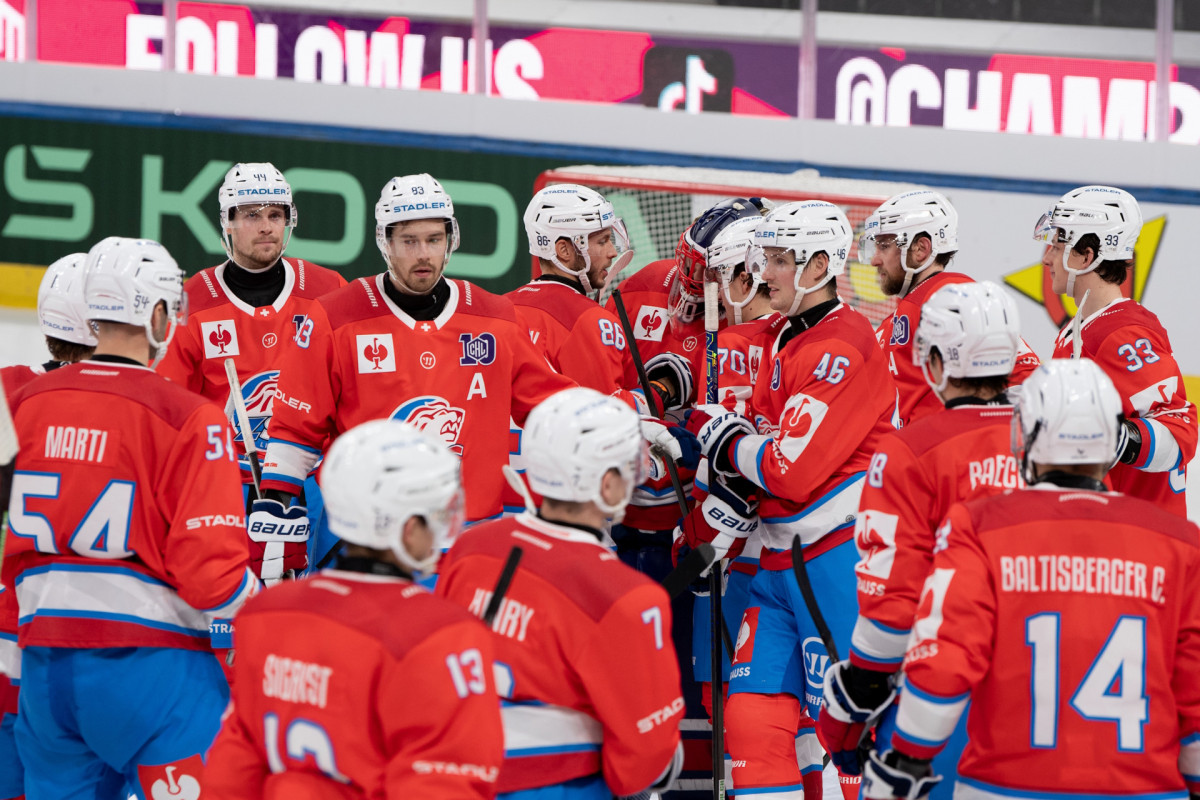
[278, 539]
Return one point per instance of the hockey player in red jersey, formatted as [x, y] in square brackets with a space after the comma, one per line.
[1092, 231]
[126, 539]
[910, 240]
[828, 400]
[591, 688]
[357, 682]
[247, 309]
[1068, 615]
[967, 343]
[62, 317]
[411, 345]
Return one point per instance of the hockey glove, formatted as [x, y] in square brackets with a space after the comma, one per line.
[1129, 442]
[718, 430]
[278, 539]
[854, 699]
[895, 776]
[679, 444]
[670, 375]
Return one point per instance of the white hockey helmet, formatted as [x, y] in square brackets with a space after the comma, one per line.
[411, 197]
[975, 329]
[255, 184]
[806, 227]
[1110, 213]
[729, 251]
[1067, 412]
[125, 280]
[378, 475]
[906, 216]
[574, 212]
[573, 438]
[61, 309]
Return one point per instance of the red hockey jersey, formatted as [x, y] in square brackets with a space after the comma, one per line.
[897, 335]
[1131, 346]
[368, 685]
[956, 455]
[462, 375]
[740, 359]
[1071, 621]
[14, 377]
[591, 679]
[821, 414]
[645, 294]
[222, 326]
[126, 521]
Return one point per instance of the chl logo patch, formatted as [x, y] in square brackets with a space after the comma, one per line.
[376, 353]
[477, 351]
[651, 323]
[220, 338]
[436, 415]
[901, 332]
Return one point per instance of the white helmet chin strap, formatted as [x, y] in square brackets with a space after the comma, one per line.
[422, 566]
[1072, 274]
[910, 273]
[801, 293]
[939, 387]
[581, 274]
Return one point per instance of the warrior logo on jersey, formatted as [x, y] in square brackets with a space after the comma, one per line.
[220, 338]
[900, 330]
[875, 538]
[477, 351]
[259, 394]
[376, 353]
[651, 323]
[816, 661]
[801, 417]
[436, 415]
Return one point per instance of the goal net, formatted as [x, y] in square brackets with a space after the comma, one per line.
[658, 203]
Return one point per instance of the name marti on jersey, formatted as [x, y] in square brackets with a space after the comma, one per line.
[77, 444]
[512, 620]
[1119, 577]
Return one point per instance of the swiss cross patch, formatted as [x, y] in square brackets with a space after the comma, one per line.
[376, 353]
[875, 538]
[651, 323]
[801, 417]
[220, 338]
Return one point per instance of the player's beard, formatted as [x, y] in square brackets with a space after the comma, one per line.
[253, 263]
[890, 285]
[409, 286]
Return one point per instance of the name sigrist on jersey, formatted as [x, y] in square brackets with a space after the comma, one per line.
[376, 353]
[296, 681]
[220, 338]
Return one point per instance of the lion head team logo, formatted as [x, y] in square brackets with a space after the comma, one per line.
[436, 415]
[259, 395]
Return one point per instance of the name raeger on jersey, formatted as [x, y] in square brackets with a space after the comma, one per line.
[77, 444]
[1119, 577]
[296, 681]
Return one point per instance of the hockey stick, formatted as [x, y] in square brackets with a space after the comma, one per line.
[692, 567]
[502, 584]
[717, 619]
[1077, 327]
[810, 600]
[638, 364]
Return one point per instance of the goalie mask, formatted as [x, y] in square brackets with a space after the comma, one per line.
[1109, 213]
[573, 438]
[380, 474]
[573, 212]
[685, 302]
[975, 329]
[254, 186]
[906, 217]
[727, 255]
[806, 227]
[125, 280]
[1067, 413]
[413, 197]
[61, 308]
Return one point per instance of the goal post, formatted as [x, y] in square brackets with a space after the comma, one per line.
[658, 202]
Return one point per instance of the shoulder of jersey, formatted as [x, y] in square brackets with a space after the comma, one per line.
[481, 302]
[933, 430]
[561, 302]
[315, 280]
[203, 291]
[144, 387]
[358, 299]
[1129, 314]
[845, 325]
[654, 277]
[398, 614]
[917, 297]
[591, 576]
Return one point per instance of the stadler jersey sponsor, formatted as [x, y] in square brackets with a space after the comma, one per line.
[221, 326]
[591, 682]
[1131, 346]
[958, 454]
[462, 375]
[820, 411]
[126, 524]
[355, 685]
[645, 295]
[897, 336]
[1071, 621]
